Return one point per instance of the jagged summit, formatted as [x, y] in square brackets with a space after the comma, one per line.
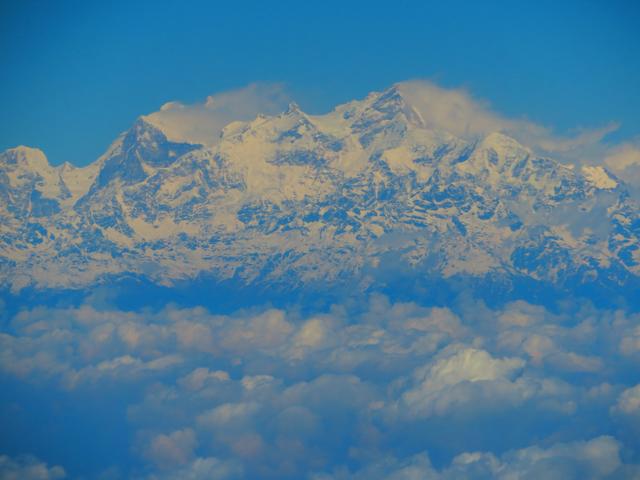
[293, 109]
[357, 195]
[26, 157]
[394, 102]
[504, 144]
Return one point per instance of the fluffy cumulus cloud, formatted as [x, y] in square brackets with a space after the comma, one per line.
[629, 402]
[592, 459]
[202, 469]
[384, 390]
[28, 468]
[465, 376]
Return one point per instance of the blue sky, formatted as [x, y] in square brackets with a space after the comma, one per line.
[78, 73]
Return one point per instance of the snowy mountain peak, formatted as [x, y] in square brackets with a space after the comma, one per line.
[140, 150]
[66, 167]
[504, 146]
[25, 157]
[296, 199]
[502, 143]
[144, 130]
[391, 103]
[600, 177]
[293, 109]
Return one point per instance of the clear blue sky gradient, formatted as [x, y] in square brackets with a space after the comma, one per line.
[76, 73]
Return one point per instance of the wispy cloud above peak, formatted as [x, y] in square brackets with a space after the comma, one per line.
[624, 156]
[584, 137]
[453, 110]
[202, 122]
[457, 111]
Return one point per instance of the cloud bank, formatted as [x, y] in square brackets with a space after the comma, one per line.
[391, 390]
[28, 468]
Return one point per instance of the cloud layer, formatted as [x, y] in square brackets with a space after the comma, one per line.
[388, 390]
[28, 468]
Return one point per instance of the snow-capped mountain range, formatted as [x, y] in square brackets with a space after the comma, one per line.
[296, 200]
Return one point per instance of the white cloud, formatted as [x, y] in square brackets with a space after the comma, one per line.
[201, 376]
[461, 378]
[458, 112]
[312, 333]
[28, 468]
[277, 393]
[593, 459]
[598, 458]
[628, 402]
[416, 467]
[121, 368]
[207, 468]
[262, 331]
[452, 110]
[172, 450]
[203, 122]
[624, 161]
[623, 157]
[630, 343]
[228, 413]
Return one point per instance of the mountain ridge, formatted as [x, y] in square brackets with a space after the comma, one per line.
[297, 199]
